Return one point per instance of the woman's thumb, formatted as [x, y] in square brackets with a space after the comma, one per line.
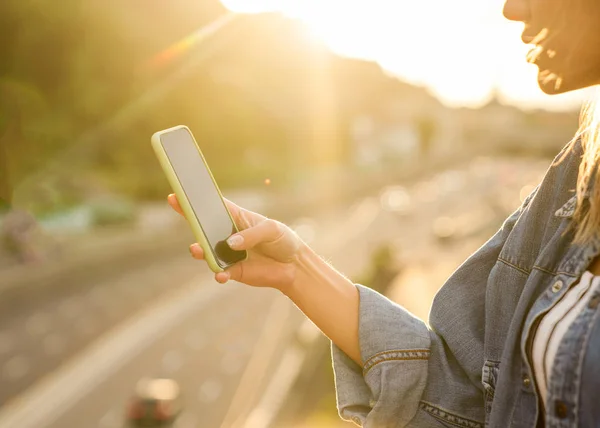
[265, 231]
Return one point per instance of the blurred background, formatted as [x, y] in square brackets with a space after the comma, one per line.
[394, 137]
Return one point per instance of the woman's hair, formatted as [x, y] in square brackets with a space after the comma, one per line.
[587, 217]
[587, 211]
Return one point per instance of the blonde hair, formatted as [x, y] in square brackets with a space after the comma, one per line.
[587, 216]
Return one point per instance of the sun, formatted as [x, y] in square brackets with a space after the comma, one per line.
[338, 24]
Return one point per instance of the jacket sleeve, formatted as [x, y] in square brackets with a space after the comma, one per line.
[403, 357]
[395, 347]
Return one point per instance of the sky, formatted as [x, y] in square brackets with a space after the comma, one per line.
[463, 51]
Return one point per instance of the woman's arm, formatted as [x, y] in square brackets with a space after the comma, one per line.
[329, 299]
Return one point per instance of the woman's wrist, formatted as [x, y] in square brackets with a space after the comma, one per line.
[312, 271]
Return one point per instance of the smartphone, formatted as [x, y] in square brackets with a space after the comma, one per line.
[198, 194]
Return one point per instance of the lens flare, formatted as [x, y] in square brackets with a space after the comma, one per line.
[180, 48]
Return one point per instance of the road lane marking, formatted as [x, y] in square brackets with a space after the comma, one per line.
[47, 400]
[283, 379]
[277, 390]
[259, 364]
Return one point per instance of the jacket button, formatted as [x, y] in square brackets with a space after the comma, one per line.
[557, 286]
[561, 409]
[594, 302]
[526, 381]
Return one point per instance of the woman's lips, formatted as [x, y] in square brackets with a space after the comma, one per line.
[533, 34]
[527, 37]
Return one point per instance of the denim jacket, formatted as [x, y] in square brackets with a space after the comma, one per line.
[471, 366]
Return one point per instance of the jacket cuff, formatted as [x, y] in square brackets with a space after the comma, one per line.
[394, 347]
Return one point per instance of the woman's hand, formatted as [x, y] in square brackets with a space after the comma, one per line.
[273, 249]
[278, 258]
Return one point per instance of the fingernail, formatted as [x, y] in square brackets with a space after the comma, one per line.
[235, 241]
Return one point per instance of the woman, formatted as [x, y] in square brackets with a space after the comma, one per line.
[514, 335]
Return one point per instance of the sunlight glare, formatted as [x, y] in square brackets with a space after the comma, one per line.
[252, 6]
[462, 50]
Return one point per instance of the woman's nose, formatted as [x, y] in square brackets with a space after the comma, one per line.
[517, 10]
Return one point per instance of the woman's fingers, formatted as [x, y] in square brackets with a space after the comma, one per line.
[242, 217]
[172, 199]
[259, 271]
[222, 277]
[197, 251]
[265, 231]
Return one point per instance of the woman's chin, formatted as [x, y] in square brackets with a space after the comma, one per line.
[550, 83]
[550, 89]
[553, 84]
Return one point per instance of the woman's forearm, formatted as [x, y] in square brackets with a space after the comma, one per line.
[329, 299]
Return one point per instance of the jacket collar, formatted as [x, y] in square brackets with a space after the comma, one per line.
[568, 209]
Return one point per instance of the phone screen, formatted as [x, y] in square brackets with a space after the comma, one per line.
[201, 191]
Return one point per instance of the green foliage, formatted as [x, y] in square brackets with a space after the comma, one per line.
[84, 85]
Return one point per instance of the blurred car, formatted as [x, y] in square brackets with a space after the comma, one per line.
[155, 403]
